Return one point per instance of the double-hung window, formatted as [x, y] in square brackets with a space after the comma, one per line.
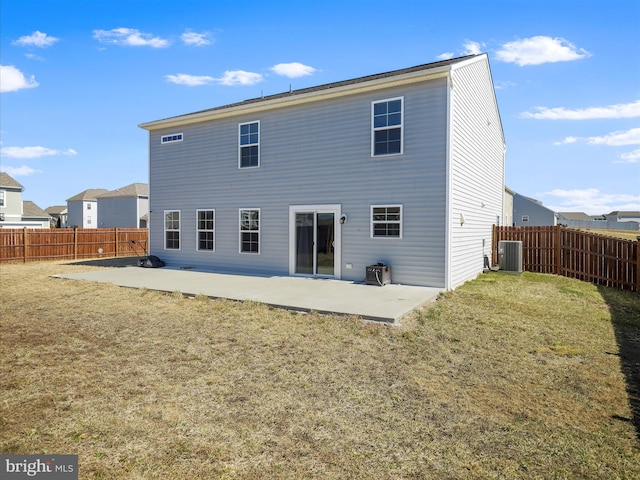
[3, 194]
[205, 225]
[172, 229]
[387, 123]
[386, 221]
[250, 230]
[249, 142]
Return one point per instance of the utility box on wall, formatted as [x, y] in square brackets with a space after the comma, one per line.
[379, 274]
[510, 255]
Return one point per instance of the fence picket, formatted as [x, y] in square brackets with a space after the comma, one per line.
[572, 253]
[28, 245]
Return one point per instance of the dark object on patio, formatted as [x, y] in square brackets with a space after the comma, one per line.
[379, 274]
[146, 261]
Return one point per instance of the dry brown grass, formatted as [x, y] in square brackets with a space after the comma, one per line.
[508, 377]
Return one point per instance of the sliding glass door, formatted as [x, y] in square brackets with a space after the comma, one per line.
[314, 243]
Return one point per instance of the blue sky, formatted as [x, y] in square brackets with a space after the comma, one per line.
[78, 77]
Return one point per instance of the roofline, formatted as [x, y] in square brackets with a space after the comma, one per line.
[339, 89]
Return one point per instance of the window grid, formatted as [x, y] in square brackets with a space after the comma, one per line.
[249, 144]
[250, 230]
[205, 227]
[386, 221]
[387, 123]
[172, 230]
[172, 138]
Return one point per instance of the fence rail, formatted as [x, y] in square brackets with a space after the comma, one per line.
[599, 259]
[27, 245]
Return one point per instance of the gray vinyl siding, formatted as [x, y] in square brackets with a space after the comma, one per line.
[477, 169]
[538, 214]
[319, 153]
[12, 204]
[120, 212]
[75, 212]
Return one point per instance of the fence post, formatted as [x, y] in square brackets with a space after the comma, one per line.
[638, 265]
[117, 241]
[558, 250]
[25, 245]
[75, 243]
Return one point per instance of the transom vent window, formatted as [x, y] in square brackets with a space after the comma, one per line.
[174, 137]
[250, 231]
[249, 145]
[172, 230]
[387, 127]
[386, 221]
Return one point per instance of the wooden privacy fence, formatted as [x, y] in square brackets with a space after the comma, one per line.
[603, 260]
[26, 245]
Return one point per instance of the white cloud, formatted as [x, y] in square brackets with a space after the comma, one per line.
[472, 48]
[129, 37]
[34, 152]
[620, 110]
[22, 171]
[239, 77]
[540, 49]
[500, 84]
[630, 157]
[189, 80]
[567, 140]
[196, 39]
[616, 139]
[33, 56]
[229, 78]
[613, 139]
[292, 70]
[590, 200]
[36, 39]
[12, 79]
[445, 56]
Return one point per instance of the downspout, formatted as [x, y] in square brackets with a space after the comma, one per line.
[448, 213]
[149, 192]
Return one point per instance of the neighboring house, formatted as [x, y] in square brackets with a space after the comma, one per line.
[581, 220]
[82, 209]
[507, 207]
[16, 213]
[10, 201]
[58, 215]
[618, 216]
[404, 167]
[124, 207]
[529, 212]
[575, 217]
[35, 216]
[612, 221]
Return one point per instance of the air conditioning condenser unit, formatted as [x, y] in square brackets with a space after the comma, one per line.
[510, 255]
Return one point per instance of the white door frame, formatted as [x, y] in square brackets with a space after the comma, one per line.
[336, 209]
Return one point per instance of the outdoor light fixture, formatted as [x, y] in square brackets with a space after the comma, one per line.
[343, 219]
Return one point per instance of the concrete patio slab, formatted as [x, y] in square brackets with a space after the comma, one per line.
[388, 303]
